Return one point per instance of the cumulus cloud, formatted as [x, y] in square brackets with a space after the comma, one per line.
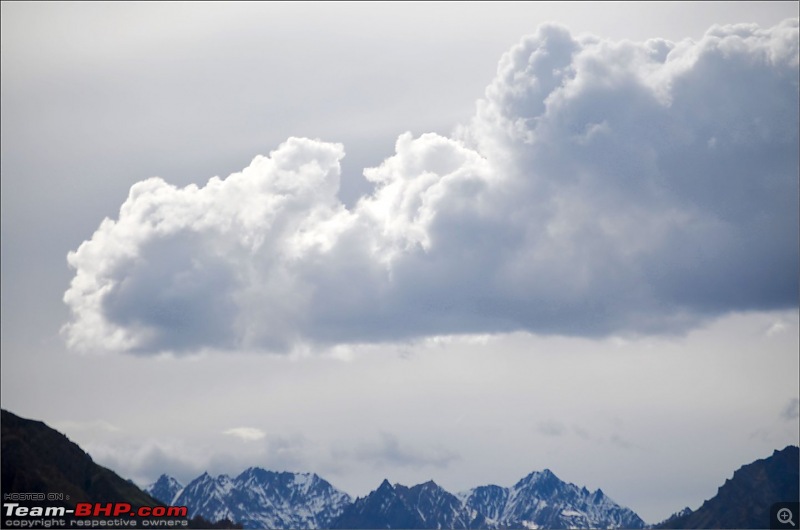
[601, 188]
[246, 434]
[777, 328]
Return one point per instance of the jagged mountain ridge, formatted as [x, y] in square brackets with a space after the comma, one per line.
[165, 489]
[425, 505]
[672, 519]
[542, 500]
[266, 499]
[257, 498]
[438, 508]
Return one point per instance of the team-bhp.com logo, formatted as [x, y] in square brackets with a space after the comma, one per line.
[117, 509]
[88, 514]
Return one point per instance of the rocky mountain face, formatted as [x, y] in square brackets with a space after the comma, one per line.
[542, 500]
[744, 501]
[669, 521]
[165, 489]
[422, 506]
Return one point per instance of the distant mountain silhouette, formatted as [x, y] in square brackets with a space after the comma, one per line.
[744, 501]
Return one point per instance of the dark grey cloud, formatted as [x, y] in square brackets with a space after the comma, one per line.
[602, 187]
[792, 410]
[551, 428]
[389, 451]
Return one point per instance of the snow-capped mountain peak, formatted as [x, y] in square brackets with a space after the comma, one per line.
[166, 489]
[258, 498]
[542, 500]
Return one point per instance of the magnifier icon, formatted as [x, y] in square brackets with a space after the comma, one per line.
[785, 516]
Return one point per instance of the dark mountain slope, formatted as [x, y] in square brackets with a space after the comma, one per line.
[383, 508]
[744, 501]
[38, 459]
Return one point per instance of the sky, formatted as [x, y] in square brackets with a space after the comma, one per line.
[449, 241]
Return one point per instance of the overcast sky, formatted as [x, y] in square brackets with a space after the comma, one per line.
[458, 241]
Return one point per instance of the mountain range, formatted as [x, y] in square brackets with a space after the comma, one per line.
[38, 459]
[265, 499]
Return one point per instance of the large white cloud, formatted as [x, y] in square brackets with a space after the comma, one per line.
[602, 187]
